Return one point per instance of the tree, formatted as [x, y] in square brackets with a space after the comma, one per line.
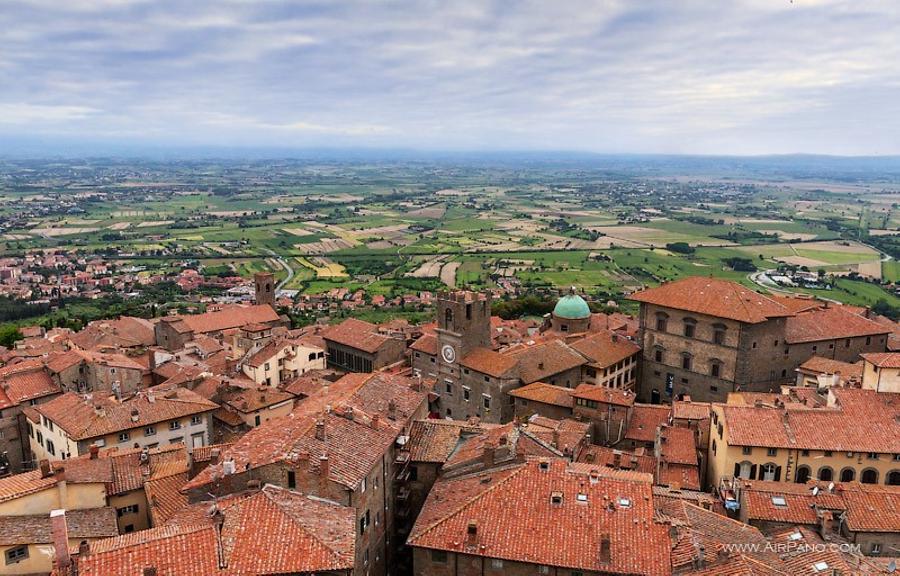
[9, 335]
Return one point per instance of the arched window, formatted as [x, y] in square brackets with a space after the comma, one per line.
[869, 476]
[746, 470]
[662, 321]
[659, 354]
[770, 472]
[893, 478]
[687, 361]
[448, 317]
[826, 474]
[803, 473]
[848, 474]
[719, 333]
[690, 327]
[715, 368]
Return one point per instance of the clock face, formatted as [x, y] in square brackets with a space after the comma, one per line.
[448, 354]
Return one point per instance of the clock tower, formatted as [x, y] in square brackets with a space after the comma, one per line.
[464, 323]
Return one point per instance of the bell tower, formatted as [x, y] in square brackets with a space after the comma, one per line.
[265, 288]
[464, 323]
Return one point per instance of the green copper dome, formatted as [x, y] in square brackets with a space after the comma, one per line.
[572, 307]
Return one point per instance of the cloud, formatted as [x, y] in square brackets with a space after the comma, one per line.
[749, 76]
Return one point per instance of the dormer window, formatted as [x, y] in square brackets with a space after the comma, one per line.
[556, 498]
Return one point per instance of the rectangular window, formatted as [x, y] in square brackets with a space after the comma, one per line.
[497, 564]
[689, 330]
[150, 431]
[124, 511]
[175, 425]
[772, 452]
[196, 419]
[747, 450]
[873, 455]
[16, 555]
[439, 556]
[486, 401]
[124, 437]
[51, 448]
[466, 391]
[291, 479]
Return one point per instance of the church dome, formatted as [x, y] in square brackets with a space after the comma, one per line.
[572, 307]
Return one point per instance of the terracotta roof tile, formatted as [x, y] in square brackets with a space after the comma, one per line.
[492, 363]
[427, 344]
[605, 348]
[604, 394]
[87, 524]
[883, 359]
[831, 428]
[566, 534]
[545, 394]
[542, 361]
[645, 419]
[228, 317]
[357, 334]
[830, 323]
[435, 440]
[618, 459]
[82, 419]
[714, 297]
[820, 365]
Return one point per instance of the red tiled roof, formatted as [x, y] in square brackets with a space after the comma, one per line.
[488, 362]
[352, 444]
[677, 446]
[565, 435]
[872, 508]
[604, 394]
[188, 550]
[427, 343]
[85, 524]
[832, 323]
[883, 359]
[82, 419]
[228, 317]
[617, 459]
[356, 334]
[124, 332]
[834, 428]
[542, 361]
[680, 475]
[26, 381]
[517, 520]
[605, 348]
[545, 394]
[690, 410]
[714, 297]
[434, 440]
[820, 365]
[645, 419]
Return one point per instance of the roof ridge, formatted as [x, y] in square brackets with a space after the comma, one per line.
[296, 521]
[469, 502]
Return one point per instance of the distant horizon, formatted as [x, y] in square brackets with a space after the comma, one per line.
[739, 79]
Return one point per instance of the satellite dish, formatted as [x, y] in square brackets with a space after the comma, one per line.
[892, 566]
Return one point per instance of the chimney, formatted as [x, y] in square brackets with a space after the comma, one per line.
[615, 338]
[60, 533]
[392, 409]
[149, 571]
[605, 548]
[472, 533]
[617, 459]
[45, 468]
[95, 451]
[375, 419]
[488, 455]
[348, 412]
[323, 466]
[135, 415]
[826, 524]
[84, 548]
[214, 456]
[320, 430]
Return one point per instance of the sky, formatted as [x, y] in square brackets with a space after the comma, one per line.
[610, 76]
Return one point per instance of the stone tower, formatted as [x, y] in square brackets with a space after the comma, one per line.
[265, 288]
[464, 323]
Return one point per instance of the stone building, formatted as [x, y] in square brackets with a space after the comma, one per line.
[706, 337]
[343, 444]
[359, 346]
[264, 288]
[173, 332]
